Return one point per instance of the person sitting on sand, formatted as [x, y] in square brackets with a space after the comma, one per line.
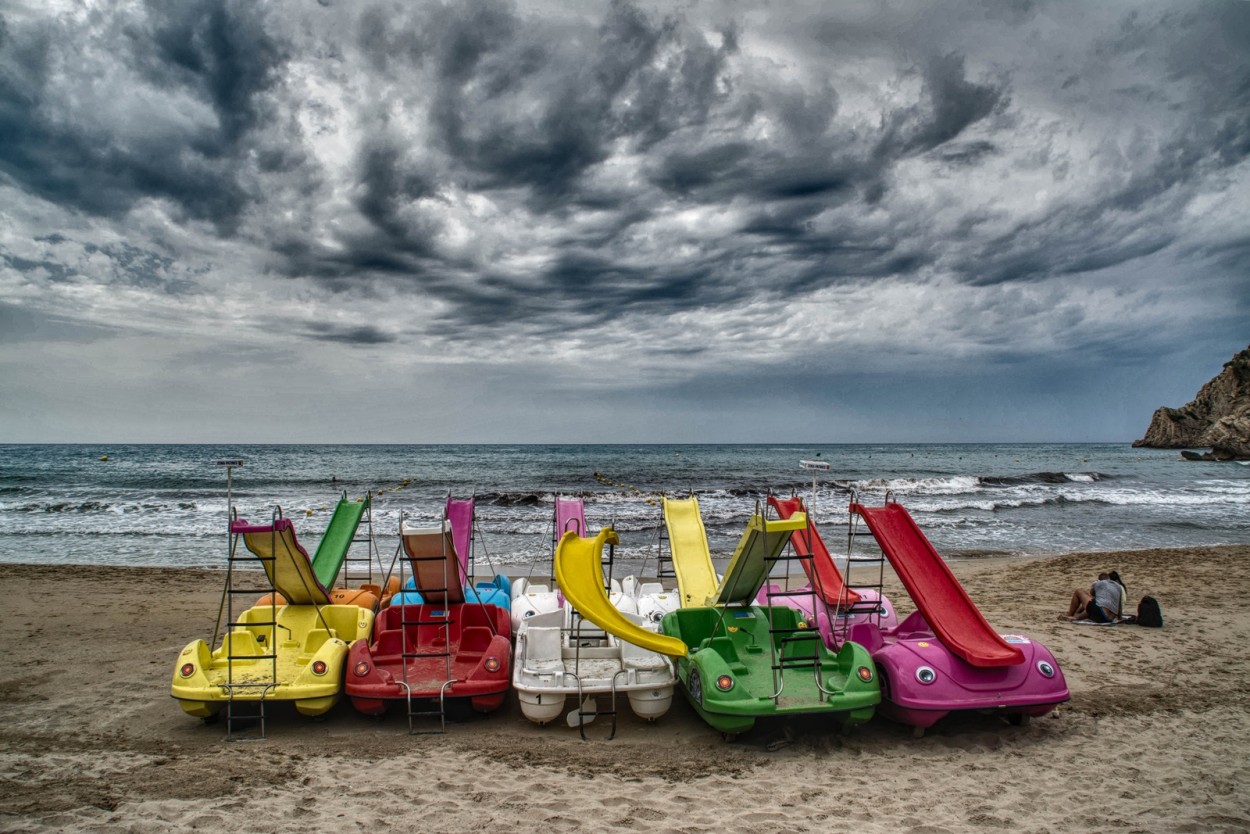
[1114, 576]
[1101, 603]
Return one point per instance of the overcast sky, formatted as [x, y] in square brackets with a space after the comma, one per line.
[721, 221]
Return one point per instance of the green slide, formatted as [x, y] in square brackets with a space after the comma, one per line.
[337, 539]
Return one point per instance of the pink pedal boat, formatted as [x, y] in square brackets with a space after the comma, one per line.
[945, 656]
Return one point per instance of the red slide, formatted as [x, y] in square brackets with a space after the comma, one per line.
[821, 570]
[941, 599]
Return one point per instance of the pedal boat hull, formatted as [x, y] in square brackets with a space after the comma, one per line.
[305, 666]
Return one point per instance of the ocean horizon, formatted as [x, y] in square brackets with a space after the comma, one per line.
[166, 505]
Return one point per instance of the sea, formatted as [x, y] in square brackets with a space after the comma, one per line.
[169, 505]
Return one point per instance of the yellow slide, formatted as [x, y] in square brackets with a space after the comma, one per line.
[579, 573]
[692, 562]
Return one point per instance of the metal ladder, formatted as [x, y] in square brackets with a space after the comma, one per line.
[576, 638]
[799, 637]
[264, 632]
[664, 555]
[873, 608]
[358, 568]
[441, 619]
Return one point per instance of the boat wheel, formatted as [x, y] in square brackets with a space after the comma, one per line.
[695, 685]
[729, 737]
[1018, 719]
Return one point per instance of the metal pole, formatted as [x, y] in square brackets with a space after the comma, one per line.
[230, 464]
[813, 466]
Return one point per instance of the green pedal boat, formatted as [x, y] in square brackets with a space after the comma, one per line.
[745, 661]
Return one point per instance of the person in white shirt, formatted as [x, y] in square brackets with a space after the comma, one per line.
[1101, 603]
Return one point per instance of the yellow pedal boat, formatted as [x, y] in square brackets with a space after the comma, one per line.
[294, 652]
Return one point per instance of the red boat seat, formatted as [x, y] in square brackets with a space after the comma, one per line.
[474, 641]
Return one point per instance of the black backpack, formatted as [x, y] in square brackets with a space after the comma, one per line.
[1149, 613]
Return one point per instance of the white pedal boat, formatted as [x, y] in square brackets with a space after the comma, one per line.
[563, 662]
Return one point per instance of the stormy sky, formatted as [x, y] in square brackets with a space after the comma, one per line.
[726, 221]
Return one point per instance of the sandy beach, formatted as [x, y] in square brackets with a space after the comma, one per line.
[1154, 738]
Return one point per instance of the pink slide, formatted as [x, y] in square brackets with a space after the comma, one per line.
[937, 593]
[821, 570]
[460, 514]
[570, 517]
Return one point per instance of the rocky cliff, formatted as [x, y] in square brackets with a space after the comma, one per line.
[1219, 417]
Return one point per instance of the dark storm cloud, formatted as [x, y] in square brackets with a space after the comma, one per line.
[65, 85]
[1206, 52]
[365, 335]
[516, 111]
[949, 105]
[524, 168]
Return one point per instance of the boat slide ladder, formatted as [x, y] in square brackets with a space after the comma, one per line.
[577, 639]
[237, 713]
[360, 569]
[781, 638]
[664, 555]
[258, 632]
[439, 619]
[875, 609]
[802, 635]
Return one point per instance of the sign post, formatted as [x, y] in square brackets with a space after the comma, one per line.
[813, 466]
[230, 464]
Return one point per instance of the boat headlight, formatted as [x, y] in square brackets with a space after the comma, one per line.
[864, 673]
[361, 668]
[492, 664]
[319, 667]
[187, 670]
[926, 675]
[724, 683]
[1045, 668]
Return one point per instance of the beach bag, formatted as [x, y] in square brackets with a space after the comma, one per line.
[1149, 613]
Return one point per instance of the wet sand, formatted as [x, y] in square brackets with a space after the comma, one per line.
[1155, 737]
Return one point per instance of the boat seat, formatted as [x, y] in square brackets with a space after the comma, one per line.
[724, 647]
[316, 639]
[474, 641]
[543, 651]
[636, 657]
[390, 643]
[243, 642]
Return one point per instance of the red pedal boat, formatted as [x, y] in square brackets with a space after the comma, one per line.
[444, 648]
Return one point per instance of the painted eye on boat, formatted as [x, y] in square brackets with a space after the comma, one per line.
[724, 683]
[492, 664]
[1045, 668]
[187, 670]
[319, 667]
[361, 668]
[926, 675]
[865, 674]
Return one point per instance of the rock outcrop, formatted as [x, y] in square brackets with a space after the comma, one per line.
[1218, 418]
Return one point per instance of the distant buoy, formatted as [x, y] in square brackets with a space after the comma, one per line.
[307, 512]
[104, 457]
